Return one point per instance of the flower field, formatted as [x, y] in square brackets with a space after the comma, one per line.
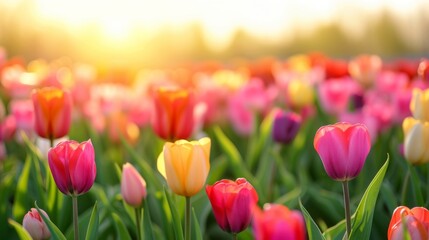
[307, 147]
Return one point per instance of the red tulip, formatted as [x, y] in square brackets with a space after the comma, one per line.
[133, 186]
[73, 166]
[416, 220]
[173, 114]
[277, 222]
[52, 107]
[343, 148]
[232, 203]
[35, 225]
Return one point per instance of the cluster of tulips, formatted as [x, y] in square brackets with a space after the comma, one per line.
[238, 145]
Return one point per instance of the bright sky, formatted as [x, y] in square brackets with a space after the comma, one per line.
[219, 17]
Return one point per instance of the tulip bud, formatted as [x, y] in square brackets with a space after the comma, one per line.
[232, 203]
[52, 108]
[343, 148]
[416, 141]
[278, 222]
[185, 165]
[35, 225]
[133, 186]
[73, 166]
[285, 126]
[416, 223]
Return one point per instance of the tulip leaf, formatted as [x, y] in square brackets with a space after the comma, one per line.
[120, 228]
[22, 200]
[361, 226]
[177, 226]
[416, 186]
[336, 232]
[196, 227]
[262, 140]
[22, 233]
[91, 232]
[147, 223]
[55, 231]
[313, 230]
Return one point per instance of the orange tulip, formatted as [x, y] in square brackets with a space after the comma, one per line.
[416, 221]
[52, 108]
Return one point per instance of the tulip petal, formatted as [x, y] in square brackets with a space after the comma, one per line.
[414, 145]
[160, 164]
[197, 170]
[359, 144]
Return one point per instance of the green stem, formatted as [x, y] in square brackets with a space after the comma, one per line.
[405, 186]
[347, 208]
[188, 219]
[75, 218]
[51, 142]
[138, 224]
[234, 236]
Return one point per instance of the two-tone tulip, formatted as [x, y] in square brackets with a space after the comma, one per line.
[185, 165]
[278, 222]
[133, 186]
[233, 203]
[35, 225]
[343, 148]
[416, 134]
[416, 221]
[173, 113]
[52, 108]
[73, 166]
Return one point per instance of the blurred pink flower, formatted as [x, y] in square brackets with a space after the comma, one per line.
[335, 94]
[23, 114]
[17, 82]
[35, 225]
[133, 186]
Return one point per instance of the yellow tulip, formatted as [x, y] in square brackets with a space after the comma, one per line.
[420, 104]
[185, 165]
[300, 93]
[416, 140]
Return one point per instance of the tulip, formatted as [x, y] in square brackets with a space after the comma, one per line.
[334, 94]
[73, 166]
[300, 94]
[416, 221]
[278, 222]
[416, 141]
[185, 165]
[420, 104]
[133, 186]
[35, 225]
[232, 203]
[343, 148]
[364, 69]
[52, 107]
[285, 126]
[173, 114]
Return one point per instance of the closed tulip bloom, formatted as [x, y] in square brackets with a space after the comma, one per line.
[185, 165]
[416, 221]
[173, 114]
[233, 203]
[73, 166]
[35, 225]
[416, 141]
[52, 108]
[419, 105]
[343, 148]
[285, 126]
[277, 222]
[133, 186]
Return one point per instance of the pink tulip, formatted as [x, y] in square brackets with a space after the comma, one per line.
[233, 203]
[52, 108]
[277, 222]
[133, 186]
[73, 166]
[334, 94]
[35, 225]
[343, 148]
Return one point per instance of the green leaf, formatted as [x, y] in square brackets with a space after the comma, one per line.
[361, 226]
[336, 232]
[121, 230]
[22, 233]
[196, 227]
[55, 232]
[313, 230]
[177, 226]
[416, 186]
[147, 223]
[22, 201]
[263, 140]
[91, 232]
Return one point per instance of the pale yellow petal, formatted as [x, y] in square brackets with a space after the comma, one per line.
[414, 146]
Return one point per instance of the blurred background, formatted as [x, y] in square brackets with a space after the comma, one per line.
[158, 33]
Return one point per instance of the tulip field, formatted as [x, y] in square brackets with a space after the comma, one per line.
[305, 147]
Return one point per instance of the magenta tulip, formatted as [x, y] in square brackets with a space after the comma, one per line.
[343, 148]
[133, 186]
[73, 166]
[232, 203]
[35, 225]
